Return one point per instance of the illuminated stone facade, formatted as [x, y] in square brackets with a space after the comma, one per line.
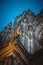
[22, 42]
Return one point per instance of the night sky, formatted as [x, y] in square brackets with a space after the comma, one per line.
[9, 9]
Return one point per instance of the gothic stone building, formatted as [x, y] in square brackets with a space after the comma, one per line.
[21, 43]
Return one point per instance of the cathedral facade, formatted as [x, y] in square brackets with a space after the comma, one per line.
[21, 43]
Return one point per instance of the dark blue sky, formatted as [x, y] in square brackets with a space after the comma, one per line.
[9, 9]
